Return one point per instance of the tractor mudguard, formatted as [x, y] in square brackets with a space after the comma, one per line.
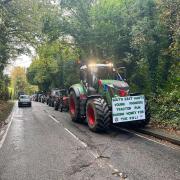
[135, 94]
[78, 89]
[94, 96]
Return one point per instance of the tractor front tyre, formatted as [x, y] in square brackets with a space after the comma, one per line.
[74, 107]
[98, 115]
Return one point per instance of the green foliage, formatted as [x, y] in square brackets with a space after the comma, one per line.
[4, 83]
[5, 110]
[41, 72]
[20, 28]
[54, 66]
[19, 83]
[165, 109]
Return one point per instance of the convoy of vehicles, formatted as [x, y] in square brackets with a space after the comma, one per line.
[101, 98]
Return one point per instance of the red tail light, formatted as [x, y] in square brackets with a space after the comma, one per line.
[99, 83]
[122, 92]
[83, 96]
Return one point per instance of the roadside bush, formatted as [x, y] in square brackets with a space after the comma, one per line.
[4, 81]
[5, 110]
[166, 109]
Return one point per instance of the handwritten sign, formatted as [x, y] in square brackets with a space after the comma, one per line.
[129, 108]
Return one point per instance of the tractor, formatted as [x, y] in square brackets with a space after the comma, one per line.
[102, 98]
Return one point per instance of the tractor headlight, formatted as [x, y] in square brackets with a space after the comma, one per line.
[111, 64]
[92, 65]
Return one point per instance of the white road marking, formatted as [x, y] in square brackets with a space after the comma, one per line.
[2, 132]
[5, 134]
[144, 137]
[54, 119]
[94, 154]
[111, 166]
[84, 144]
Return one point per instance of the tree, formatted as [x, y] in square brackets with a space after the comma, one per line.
[41, 72]
[54, 67]
[19, 82]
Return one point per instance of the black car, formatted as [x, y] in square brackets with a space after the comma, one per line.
[62, 101]
[52, 96]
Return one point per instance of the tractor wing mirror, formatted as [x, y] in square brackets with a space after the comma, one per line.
[122, 72]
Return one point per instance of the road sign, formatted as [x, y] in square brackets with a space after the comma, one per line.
[129, 108]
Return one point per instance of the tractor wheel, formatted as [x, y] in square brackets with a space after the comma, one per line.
[56, 106]
[49, 103]
[98, 115]
[61, 107]
[52, 103]
[74, 107]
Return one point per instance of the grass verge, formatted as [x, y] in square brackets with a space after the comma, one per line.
[5, 110]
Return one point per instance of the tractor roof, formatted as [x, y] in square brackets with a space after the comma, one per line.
[96, 65]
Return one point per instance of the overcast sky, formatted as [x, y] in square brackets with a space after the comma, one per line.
[22, 61]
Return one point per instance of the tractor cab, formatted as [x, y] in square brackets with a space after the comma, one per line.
[93, 74]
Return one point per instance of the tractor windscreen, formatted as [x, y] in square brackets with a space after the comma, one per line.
[106, 73]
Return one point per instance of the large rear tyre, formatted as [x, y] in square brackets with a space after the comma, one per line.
[74, 107]
[98, 115]
[49, 103]
[52, 103]
[56, 106]
[61, 107]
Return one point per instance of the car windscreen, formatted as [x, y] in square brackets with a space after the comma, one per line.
[24, 97]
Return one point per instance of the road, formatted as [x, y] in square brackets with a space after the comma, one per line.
[43, 144]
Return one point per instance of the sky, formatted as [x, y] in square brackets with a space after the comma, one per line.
[22, 61]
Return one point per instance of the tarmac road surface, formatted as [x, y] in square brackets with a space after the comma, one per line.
[43, 144]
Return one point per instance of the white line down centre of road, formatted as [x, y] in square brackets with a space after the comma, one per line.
[95, 155]
[81, 142]
[53, 119]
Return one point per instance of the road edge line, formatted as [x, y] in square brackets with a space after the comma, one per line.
[159, 136]
[141, 136]
[9, 124]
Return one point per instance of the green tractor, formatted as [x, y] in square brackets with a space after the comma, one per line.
[102, 98]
